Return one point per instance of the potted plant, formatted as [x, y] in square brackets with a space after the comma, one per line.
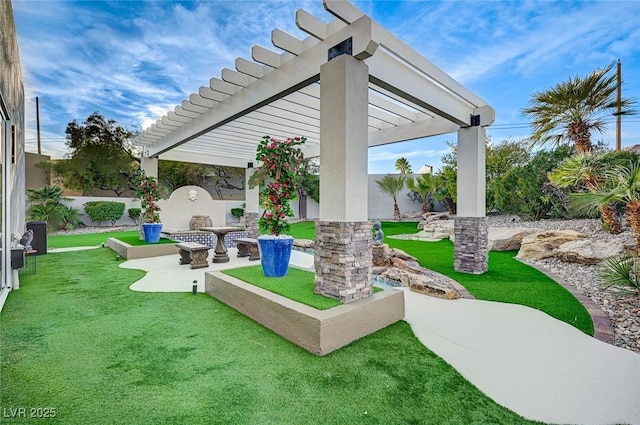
[147, 192]
[278, 175]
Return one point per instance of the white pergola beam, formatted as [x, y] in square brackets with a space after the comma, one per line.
[209, 94]
[289, 77]
[409, 85]
[342, 10]
[311, 25]
[269, 57]
[196, 99]
[251, 68]
[178, 155]
[426, 128]
[236, 78]
[223, 87]
[286, 42]
[188, 106]
[168, 120]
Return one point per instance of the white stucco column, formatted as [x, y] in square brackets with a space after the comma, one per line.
[343, 233]
[251, 196]
[149, 166]
[471, 253]
[344, 98]
[471, 198]
[251, 205]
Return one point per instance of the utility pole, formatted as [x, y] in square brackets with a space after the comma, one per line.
[38, 124]
[618, 108]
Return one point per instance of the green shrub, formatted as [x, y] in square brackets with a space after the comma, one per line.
[622, 271]
[526, 191]
[134, 214]
[237, 212]
[100, 211]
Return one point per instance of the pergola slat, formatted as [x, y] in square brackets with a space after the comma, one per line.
[278, 93]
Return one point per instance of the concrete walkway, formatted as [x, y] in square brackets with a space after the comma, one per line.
[535, 365]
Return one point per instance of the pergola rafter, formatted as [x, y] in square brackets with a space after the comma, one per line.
[277, 92]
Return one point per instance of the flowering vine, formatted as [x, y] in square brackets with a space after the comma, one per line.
[147, 192]
[281, 160]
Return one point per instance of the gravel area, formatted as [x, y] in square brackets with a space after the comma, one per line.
[623, 309]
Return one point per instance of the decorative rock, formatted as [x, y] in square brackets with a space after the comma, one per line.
[544, 244]
[434, 290]
[380, 256]
[398, 253]
[438, 230]
[588, 251]
[420, 283]
[303, 243]
[431, 217]
[412, 215]
[508, 238]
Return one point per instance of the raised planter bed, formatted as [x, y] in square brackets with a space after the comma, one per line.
[131, 252]
[317, 331]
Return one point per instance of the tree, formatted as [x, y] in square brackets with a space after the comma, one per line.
[393, 185]
[100, 156]
[47, 205]
[446, 187]
[175, 174]
[571, 110]
[526, 191]
[622, 184]
[587, 172]
[422, 186]
[403, 166]
[309, 184]
[500, 158]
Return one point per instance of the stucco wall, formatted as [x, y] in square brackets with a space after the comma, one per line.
[12, 92]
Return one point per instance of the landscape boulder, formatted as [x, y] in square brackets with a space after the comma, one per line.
[589, 251]
[437, 230]
[544, 244]
[508, 238]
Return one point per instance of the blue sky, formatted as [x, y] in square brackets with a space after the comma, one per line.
[134, 60]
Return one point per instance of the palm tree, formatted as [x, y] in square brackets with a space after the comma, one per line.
[392, 185]
[588, 171]
[572, 109]
[46, 205]
[423, 186]
[622, 184]
[402, 165]
[445, 188]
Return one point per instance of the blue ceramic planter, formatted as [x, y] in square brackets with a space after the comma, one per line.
[151, 232]
[274, 255]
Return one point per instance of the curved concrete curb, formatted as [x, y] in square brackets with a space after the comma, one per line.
[603, 330]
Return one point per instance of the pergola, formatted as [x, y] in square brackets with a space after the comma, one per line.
[348, 86]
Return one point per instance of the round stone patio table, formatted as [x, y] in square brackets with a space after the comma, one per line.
[220, 253]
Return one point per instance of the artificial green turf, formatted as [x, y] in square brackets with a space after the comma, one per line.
[94, 239]
[75, 338]
[297, 285]
[86, 239]
[507, 280]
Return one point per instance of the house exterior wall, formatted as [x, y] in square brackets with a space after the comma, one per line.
[12, 91]
[13, 157]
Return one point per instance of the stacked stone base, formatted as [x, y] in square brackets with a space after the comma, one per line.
[251, 224]
[343, 260]
[471, 247]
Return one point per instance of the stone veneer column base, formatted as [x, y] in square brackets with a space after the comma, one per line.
[343, 260]
[251, 224]
[471, 247]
